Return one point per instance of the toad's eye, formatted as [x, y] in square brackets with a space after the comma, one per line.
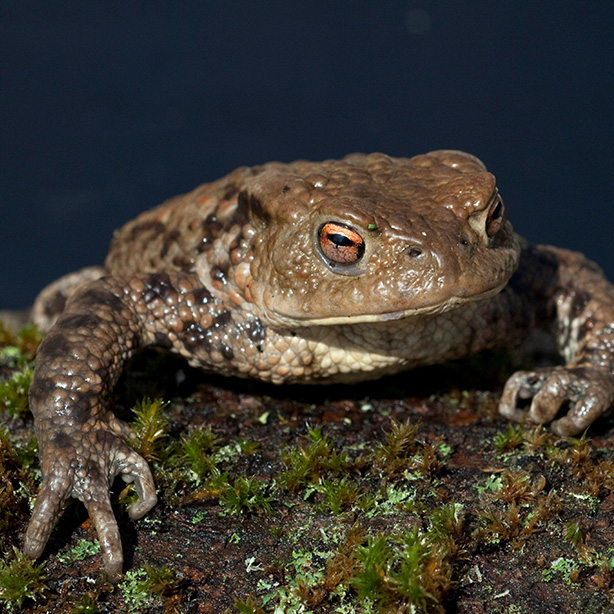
[495, 217]
[340, 244]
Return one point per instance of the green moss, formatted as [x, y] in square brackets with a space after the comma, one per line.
[16, 484]
[145, 588]
[566, 567]
[14, 393]
[493, 483]
[400, 572]
[20, 580]
[510, 439]
[248, 447]
[25, 341]
[249, 606]
[313, 460]
[162, 581]
[396, 570]
[149, 428]
[86, 605]
[83, 550]
[195, 451]
[246, 495]
[395, 455]
[338, 495]
[573, 532]
[403, 453]
[447, 523]
[363, 527]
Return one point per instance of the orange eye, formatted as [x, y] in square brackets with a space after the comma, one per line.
[340, 244]
[496, 215]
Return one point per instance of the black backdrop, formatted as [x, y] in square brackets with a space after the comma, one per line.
[109, 107]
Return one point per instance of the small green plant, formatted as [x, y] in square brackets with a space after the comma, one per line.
[403, 454]
[86, 605]
[249, 606]
[25, 341]
[248, 447]
[396, 454]
[20, 579]
[311, 461]
[144, 588]
[136, 591]
[149, 427]
[516, 507]
[246, 495]
[573, 532]
[411, 570]
[162, 580]
[83, 550]
[566, 567]
[213, 485]
[500, 525]
[447, 523]
[516, 487]
[196, 451]
[427, 458]
[375, 558]
[576, 455]
[509, 439]
[537, 438]
[575, 535]
[493, 484]
[14, 393]
[16, 483]
[600, 479]
[339, 495]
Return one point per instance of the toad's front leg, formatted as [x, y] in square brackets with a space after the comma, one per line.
[577, 303]
[81, 444]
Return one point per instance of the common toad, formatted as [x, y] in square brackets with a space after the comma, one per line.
[333, 271]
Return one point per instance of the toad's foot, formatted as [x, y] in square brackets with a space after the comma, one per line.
[84, 468]
[588, 392]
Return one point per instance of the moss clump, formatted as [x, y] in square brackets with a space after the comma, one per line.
[149, 428]
[402, 452]
[313, 461]
[249, 606]
[339, 495]
[16, 483]
[246, 495]
[14, 393]
[86, 605]
[25, 341]
[509, 439]
[196, 449]
[400, 572]
[149, 587]
[20, 579]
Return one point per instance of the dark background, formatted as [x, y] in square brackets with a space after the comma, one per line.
[110, 107]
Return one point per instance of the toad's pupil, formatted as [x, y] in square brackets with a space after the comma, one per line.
[339, 240]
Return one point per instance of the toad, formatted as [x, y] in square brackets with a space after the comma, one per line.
[312, 272]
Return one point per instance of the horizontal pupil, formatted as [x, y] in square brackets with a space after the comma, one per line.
[339, 240]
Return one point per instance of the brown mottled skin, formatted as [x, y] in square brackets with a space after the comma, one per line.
[333, 271]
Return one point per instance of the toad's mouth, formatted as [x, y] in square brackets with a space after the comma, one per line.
[450, 304]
